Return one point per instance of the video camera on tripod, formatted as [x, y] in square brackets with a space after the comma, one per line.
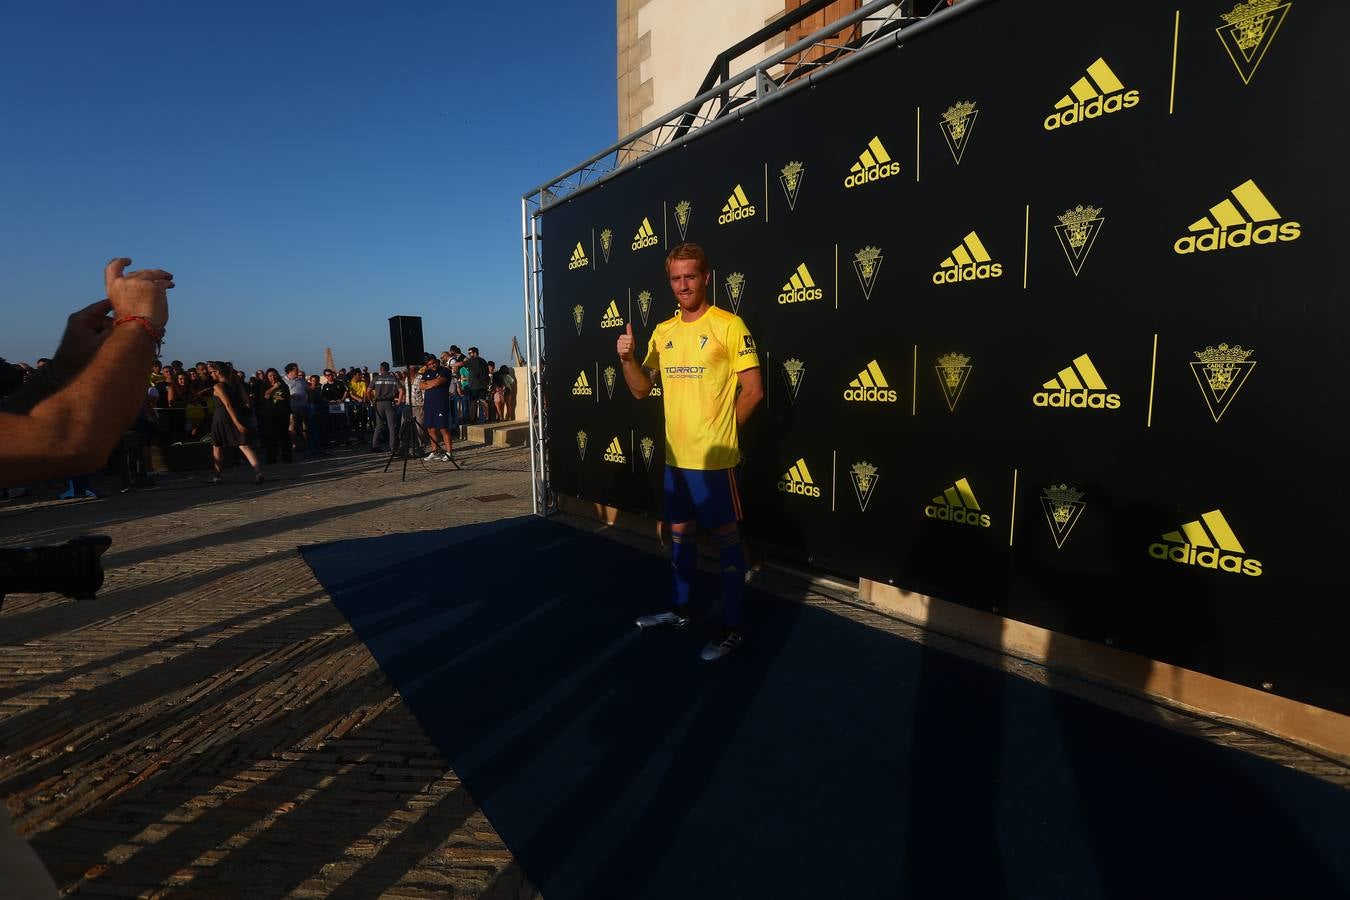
[74, 568]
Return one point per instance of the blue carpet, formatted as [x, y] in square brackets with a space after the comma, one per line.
[825, 759]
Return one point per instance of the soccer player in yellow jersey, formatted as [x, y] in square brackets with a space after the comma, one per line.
[710, 383]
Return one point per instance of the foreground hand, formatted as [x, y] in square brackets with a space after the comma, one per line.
[85, 331]
[625, 343]
[142, 293]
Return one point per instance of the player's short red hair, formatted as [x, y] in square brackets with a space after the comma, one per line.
[688, 250]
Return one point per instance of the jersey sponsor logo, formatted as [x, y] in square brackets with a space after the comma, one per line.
[969, 261]
[735, 288]
[1221, 372]
[682, 211]
[1248, 31]
[694, 372]
[646, 236]
[582, 386]
[612, 317]
[957, 123]
[867, 265]
[737, 207]
[873, 164]
[870, 386]
[582, 441]
[611, 375]
[791, 177]
[1077, 232]
[1077, 386]
[1062, 506]
[1096, 94]
[606, 242]
[579, 260]
[648, 447]
[614, 452]
[747, 346]
[800, 288]
[957, 504]
[1250, 221]
[953, 371]
[578, 313]
[794, 370]
[797, 480]
[1209, 543]
[864, 477]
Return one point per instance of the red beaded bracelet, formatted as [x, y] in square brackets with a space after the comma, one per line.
[156, 332]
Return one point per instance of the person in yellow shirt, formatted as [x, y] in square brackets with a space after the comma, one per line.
[711, 383]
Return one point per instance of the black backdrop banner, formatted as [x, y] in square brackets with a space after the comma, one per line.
[1048, 307]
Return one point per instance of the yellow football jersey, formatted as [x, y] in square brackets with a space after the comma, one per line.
[697, 363]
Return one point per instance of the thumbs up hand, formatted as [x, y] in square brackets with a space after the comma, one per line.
[625, 343]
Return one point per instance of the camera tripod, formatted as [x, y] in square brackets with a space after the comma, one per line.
[412, 441]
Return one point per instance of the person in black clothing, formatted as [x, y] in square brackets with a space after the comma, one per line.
[435, 382]
[228, 425]
[334, 391]
[478, 385]
[274, 415]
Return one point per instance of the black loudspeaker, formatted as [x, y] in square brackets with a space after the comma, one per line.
[405, 340]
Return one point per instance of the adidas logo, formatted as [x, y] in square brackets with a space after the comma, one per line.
[1077, 386]
[800, 287]
[957, 504]
[582, 386]
[612, 318]
[1249, 31]
[656, 391]
[970, 261]
[645, 236]
[1231, 225]
[614, 452]
[1092, 96]
[870, 386]
[797, 480]
[1209, 543]
[737, 207]
[579, 259]
[873, 164]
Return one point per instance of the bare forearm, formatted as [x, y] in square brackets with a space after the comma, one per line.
[639, 383]
[745, 405]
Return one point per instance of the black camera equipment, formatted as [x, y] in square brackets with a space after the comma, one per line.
[74, 568]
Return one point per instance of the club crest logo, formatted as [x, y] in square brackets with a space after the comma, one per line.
[864, 476]
[606, 242]
[578, 313]
[582, 441]
[790, 177]
[957, 123]
[1062, 506]
[1077, 232]
[735, 288]
[1221, 372]
[1248, 31]
[648, 447]
[867, 264]
[611, 375]
[1208, 542]
[794, 370]
[953, 371]
[682, 211]
[579, 260]
[644, 302]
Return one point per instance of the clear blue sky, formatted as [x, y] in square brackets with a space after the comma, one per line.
[305, 169]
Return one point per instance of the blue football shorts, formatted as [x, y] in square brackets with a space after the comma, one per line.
[710, 497]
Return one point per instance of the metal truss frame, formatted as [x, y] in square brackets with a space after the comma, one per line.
[875, 27]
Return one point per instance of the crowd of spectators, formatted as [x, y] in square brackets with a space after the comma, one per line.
[273, 415]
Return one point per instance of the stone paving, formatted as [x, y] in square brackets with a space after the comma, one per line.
[210, 726]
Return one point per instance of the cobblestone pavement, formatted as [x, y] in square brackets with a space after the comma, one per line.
[210, 725]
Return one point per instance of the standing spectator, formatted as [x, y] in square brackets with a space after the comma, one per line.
[436, 407]
[275, 417]
[386, 393]
[417, 402]
[334, 391]
[315, 425]
[360, 408]
[228, 425]
[295, 384]
[478, 385]
[499, 378]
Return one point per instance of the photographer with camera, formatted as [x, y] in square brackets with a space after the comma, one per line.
[64, 420]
